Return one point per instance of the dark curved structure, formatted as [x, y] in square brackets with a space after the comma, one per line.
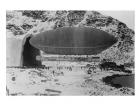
[73, 41]
[29, 55]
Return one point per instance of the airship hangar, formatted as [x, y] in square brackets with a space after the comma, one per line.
[61, 41]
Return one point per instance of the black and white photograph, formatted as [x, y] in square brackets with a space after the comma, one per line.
[70, 53]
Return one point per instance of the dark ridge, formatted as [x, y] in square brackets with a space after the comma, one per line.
[35, 14]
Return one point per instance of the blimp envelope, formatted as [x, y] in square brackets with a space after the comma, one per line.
[73, 41]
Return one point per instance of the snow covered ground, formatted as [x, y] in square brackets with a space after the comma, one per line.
[64, 81]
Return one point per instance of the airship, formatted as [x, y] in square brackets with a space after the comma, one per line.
[73, 41]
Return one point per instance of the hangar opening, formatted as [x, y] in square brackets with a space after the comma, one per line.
[29, 55]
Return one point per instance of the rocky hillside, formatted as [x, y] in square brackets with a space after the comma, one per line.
[21, 23]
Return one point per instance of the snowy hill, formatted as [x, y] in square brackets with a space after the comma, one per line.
[21, 23]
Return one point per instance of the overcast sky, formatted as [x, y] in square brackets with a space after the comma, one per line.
[126, 17]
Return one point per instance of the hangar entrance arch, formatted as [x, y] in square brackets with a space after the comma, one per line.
[29, 54]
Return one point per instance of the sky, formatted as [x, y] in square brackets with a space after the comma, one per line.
[127, 17]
